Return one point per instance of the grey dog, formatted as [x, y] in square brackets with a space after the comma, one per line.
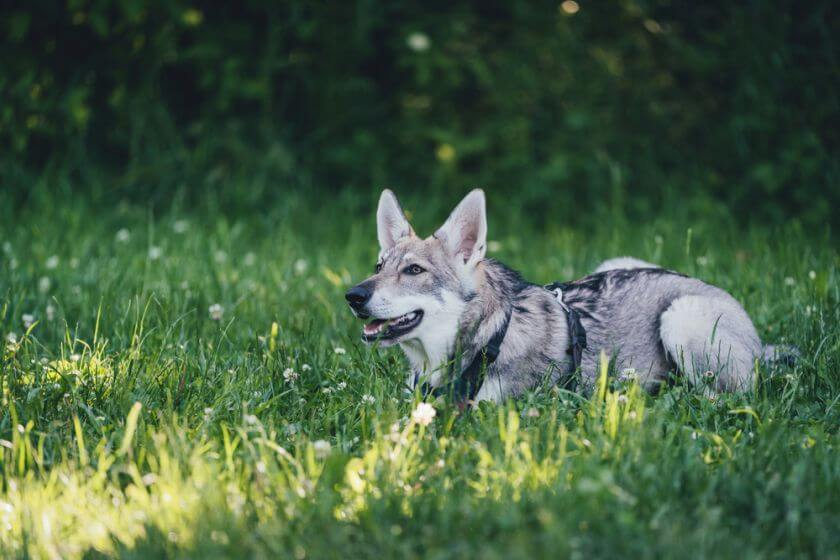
[453, 311]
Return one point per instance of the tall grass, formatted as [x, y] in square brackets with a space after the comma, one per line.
[190, 384]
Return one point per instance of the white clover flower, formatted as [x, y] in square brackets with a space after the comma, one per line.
[180, 226]
[341, 386]
[423, 414]
[339, 350]
[52, 262]
[305, 367]
[44, 284]
[155, 252]
[790, 281]
[75, 357]
[622, 399]
[300, 266]
[27, 319]
[216, 311]
[812, 275]
[326, 390]
[702, 261]
[627, 374]
[368, 399]
[290, 375]
[418, 42]
[322, 448]
[11, 338]
[123, 235]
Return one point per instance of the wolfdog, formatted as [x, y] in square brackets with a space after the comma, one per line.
[475, 326]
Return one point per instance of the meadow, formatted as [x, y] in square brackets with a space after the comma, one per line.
[186, 381]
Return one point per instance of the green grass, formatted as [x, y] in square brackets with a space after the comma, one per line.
[134, 424]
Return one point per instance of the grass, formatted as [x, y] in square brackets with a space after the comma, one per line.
[134, 423]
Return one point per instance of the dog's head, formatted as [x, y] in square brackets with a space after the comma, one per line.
[420, 287]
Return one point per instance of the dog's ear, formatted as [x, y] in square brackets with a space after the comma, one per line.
[465, 232]
[391, 224]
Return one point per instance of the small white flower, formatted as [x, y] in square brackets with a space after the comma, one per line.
[290, 375]
[75, 357]
[27, 319]
[216, 311]
[326, 390]
[250, 259]
[339, 350]
[368, 399]
[790, 281]
[305, 367]
[11, 338]
[627, 374]
[44, 284]
[812, 275]
[341, 386]
[251, 419]
[50, 311]
[322, 448]
[180, 226]
[155, 252]
[702, 261]
[423, 414]
[694, 435]
[300, 266]
[123, 235]
[622, 399]
[418, 42]
[52, 262]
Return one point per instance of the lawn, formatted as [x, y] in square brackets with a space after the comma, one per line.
[189, 382]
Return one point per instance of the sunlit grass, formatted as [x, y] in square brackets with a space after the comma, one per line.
[193, 386]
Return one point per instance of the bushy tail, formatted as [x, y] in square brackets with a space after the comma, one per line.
[781, 355]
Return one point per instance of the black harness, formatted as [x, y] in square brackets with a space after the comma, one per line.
[464, 387]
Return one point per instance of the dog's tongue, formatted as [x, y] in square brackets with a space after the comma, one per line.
[374, 326]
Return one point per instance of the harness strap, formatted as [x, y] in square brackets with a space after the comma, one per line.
[465, 386]
[577, 334]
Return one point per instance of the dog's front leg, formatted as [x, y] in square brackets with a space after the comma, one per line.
[494, 389]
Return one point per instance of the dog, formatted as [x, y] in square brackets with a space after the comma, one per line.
[471, 324]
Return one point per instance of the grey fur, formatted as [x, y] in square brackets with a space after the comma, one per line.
[644, 318]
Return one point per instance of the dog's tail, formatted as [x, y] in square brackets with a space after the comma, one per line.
[780, 355]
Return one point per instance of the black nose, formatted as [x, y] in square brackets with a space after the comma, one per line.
[357, 296]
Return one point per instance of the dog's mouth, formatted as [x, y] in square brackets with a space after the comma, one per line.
[390, 329]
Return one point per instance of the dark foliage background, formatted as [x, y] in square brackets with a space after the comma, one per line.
[573, 107]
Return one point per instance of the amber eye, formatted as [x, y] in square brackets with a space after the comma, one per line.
[377, 268]
[414, 270]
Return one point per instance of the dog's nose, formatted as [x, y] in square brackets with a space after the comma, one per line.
[357, 296]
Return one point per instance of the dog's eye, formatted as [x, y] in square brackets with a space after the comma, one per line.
[414, 269]
[377, 268]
